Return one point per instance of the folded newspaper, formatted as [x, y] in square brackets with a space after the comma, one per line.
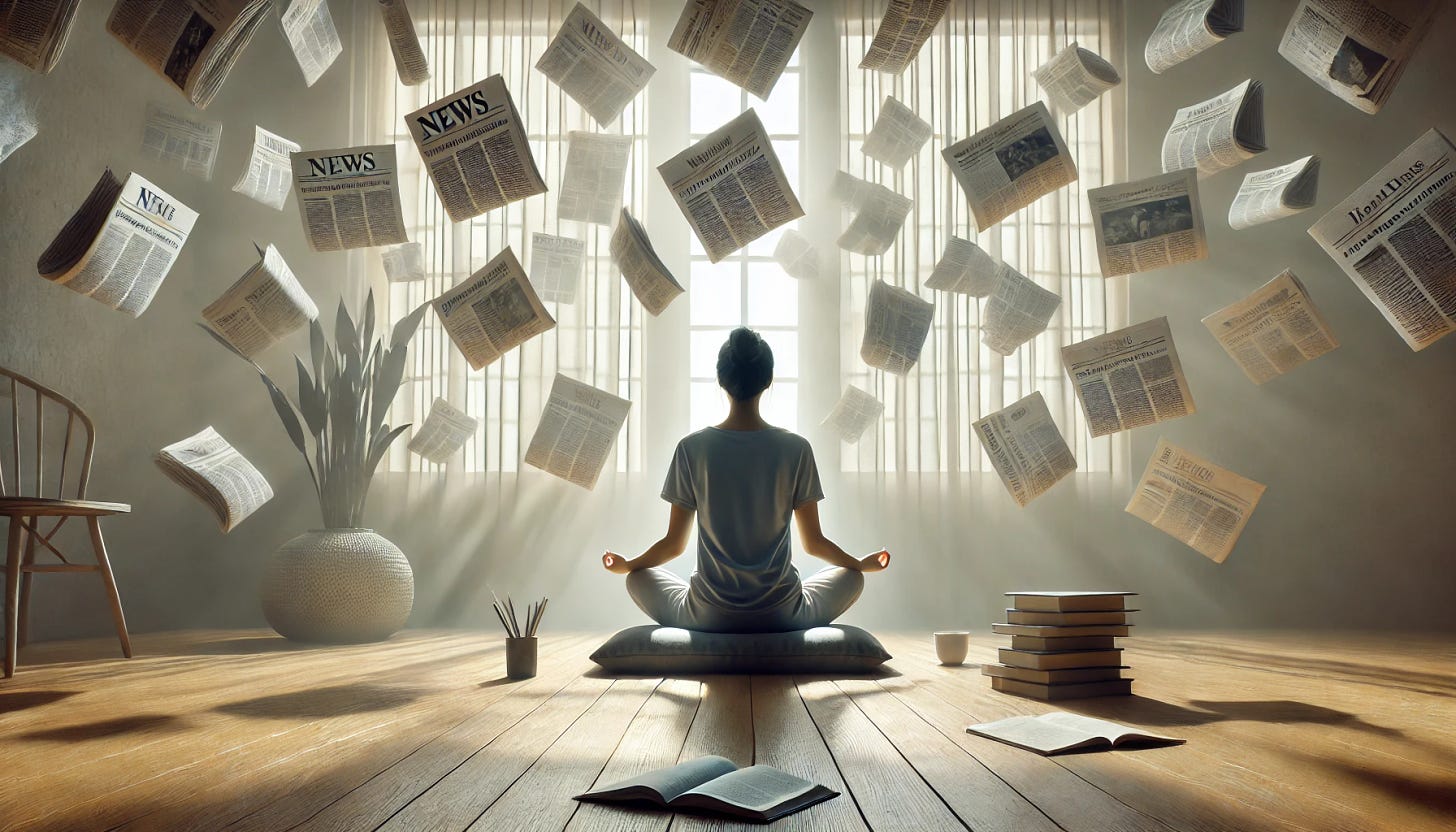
[905, 28]
[1129, 378]
[443, 433]
[1017, 311]
[651, 283]
[594, 66]
[192, 43]
[1357, 49]
[262, 307]
[797, 256]
[409, 59]
[1276, 193]
[404, 263]
[1273, 330]
[309, 29]
[964, 268]
[594, 177]
[1149, 223]
[1011, 164]
[578, 429]
[1026, 448]
[556, 266]
[349, 197]
[1194, 501]
[1219, 133]
[854, 413]
[33, 32]
[1074, 78]
[1190, 27]
[493, 312]
[177, 138]
[746, 42]
[896, 324]
[17, 111]
[214, 472]
[879, 214]
[269, 175]
[897, 134]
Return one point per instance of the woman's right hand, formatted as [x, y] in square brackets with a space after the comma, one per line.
[615, 563]
[876, 562]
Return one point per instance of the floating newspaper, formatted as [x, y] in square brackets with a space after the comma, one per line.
[1189, 28]
[192, 43]
[269, 174]
[854, 413]
[731, 187]
[1194, 501]
[966, 269]
[474, 143]
[409, 59]
[746, 42]
[1395, 236]
[33, 32]
[797, 256]
[119, 245]
[1026, 448]
[1129, 378]
[1219, 133]
[186, 142]
[577, 431]
[1273, 330]
[897, 135]
[1011, 164]
[905, 28]
[595, 174]
[1148, 224]
[1357, 49]
[896, 325]
[1276, 193]
[215, 473]
[651, 283]
[444, 432]
[879, 213]
[1017, 311]
[1074, 78]
[262, 308]
[310, 31]
[17, 112]
[594, 66]
[556, 265]
[404, 263]
[493, 312]
[349, 197]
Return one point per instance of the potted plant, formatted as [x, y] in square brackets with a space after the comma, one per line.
[343, 582]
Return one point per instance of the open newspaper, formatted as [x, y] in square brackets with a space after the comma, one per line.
[651, 283]
[443, 433]
[1075, 77]
[1357, 49]
[1129, 378]
[404, 263]
[1017, 311]
[879, 213]
[17, 112]
[493, 312]
[187, 142]
[854, 413]
[1025, 448]
[731, 187]
[1148, 224]
[896, 324]
[897, 135]
[269, 174]
[1276, 193]
[594, 66]
[556, 266]
[1194, 501]
[119, 245]
[192, 43]
[262, 307]
[1219, 133]
[474, 143]
[595, 174]
[905, 28]
[34, 32]
[1190, 27]
[349, 197]
[1011, 164]
[746, 42]
[1395, 236]
[964, 268]
[578, 428]
[214, 472]
[311, 35]
[1273, 330]
[409, 59]
[797, 256]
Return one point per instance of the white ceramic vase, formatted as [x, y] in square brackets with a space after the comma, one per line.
[339, 586]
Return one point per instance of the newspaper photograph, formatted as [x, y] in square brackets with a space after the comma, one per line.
[1148, 224]
[1129, 378]
[474, 143]
[578, 429]
[1074, 78]
[119, 245]
[1190, 27]
[1268, 195]
[1274, 329]
[798, 257]
[493, 312]
[594, 177]
[262, 307]
[214, 472]
[1194, 501]
[593, 66]
[1026, 448]
[1217, 134]
[879, 214]
[410, 62]
[646, 275]
[854, 413]
[897, 135]
[1357, 49]
[269, 175]
[556, 266]
[443, 433]
[964, 268]
[1011, 164]
[17, 111]
[404, 263]
[311, 35]
[748, 43]
[905, 28]
[1395, 236]
[897, 322]
[1017, 311]
[348, 197]
[33, 33]
[176, 138]
[192, 43]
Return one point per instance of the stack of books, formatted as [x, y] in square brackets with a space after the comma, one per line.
[1062, 645]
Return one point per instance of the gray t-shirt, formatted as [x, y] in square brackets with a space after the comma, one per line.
[744, 485]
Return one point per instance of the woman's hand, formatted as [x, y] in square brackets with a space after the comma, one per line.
[615, 563]
[874, 563]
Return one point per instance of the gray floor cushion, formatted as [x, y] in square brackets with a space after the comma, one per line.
[654, 650]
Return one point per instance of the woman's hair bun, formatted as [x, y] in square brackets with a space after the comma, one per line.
[745, 364]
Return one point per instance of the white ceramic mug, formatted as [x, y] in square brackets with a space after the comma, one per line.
[952, 646]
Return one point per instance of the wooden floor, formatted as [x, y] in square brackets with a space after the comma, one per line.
[244, 731]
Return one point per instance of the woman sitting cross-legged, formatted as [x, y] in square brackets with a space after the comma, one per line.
[744, 478]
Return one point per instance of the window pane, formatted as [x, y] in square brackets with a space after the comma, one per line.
[780, 113]
[714, 101]
[703, 352]
[715, 294]
[709, 404]
[780, 405]
[785, 346]
[773, 297]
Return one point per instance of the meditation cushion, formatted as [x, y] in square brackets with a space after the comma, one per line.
[651, 650]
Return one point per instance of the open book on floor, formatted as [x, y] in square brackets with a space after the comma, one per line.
[714, 784]
[1059, 732]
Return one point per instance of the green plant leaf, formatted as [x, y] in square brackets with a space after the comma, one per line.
[346, 336]
[367, 337]
[289, 418]
[387, 379]
[381, 444]
[405, 329]
[317, 347]
[311, 402]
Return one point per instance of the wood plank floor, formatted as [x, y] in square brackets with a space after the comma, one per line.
[245, 731]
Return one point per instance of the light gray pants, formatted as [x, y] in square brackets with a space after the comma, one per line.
[670, 601]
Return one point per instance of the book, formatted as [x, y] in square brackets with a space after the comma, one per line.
[1067, 601]
[1044, 631]
[1054, 677]
[1055, 643]
[1119, 687]
[1066, 619]
[1058, 660]
[1059, 732]
[715, 785]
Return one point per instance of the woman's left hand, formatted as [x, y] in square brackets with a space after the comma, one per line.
[614, 562]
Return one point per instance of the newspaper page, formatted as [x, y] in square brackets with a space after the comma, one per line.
[897, 135]
[746, 42]
[189, 143]
[556, 266]
[896, 324]
[1017, 311]
[1148, 224]
[311, 34]
[493, 312]
[404, 263]
[1395, 236]
[17, 112]
[594, 66]
[33, 32]
[409, 59]
[854, 413]
[731, 187]
[192, 43]
[964, 268]
[1268, 195]
[1357, 49]
[578, 428]
[1194, 501]
[214, 472]
[879, 214]
[1219, 133]
[1011, 164]
[269, 174]
[1074, 78]
[798, 257]
[1129, 378]
[119, 245]
[349, 197]
[594, 177]
[905, 28]
[262, 308]
[444, 432]
[632, 253]
[1026, 448]
[1190, 27]
[1273, 330]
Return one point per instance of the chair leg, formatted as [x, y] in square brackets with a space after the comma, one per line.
[13, 551]
[23, 637]
[105, 564]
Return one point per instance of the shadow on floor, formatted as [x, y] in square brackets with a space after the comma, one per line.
[108, 728]
[1140, 710]
[881, 673]
[1435, 793]
[249, 645]
[1435, 684]
[323, 702]
[19, 700]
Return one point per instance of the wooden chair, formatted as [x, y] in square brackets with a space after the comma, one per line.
[27, 509]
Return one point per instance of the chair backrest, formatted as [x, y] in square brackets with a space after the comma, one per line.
[46, 447]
